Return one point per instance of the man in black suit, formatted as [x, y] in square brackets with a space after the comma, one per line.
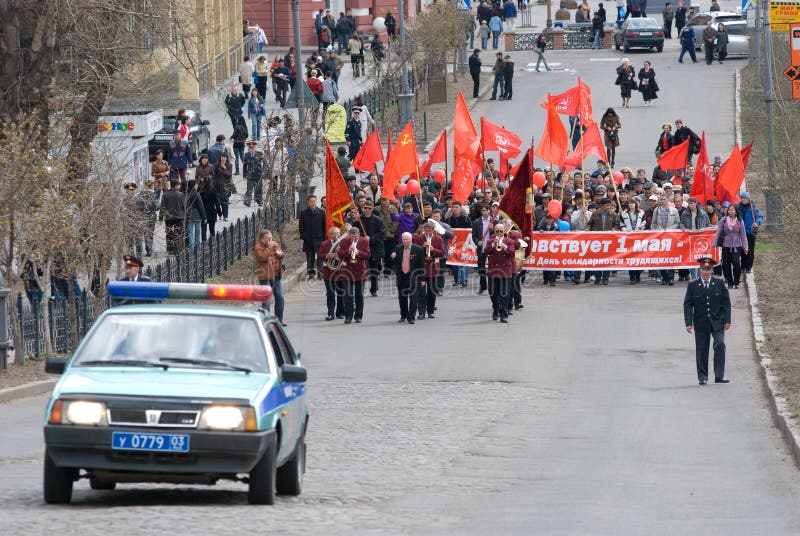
[312, 233]
[409, 265]
[133, 266]
[707, 308]
[481, 234]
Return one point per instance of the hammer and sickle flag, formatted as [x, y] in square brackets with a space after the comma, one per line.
[337, 195]
[496, 138]
[403, 161]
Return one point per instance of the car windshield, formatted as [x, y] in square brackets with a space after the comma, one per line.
[177, 340]
[728, 18]
[736, 29]
[170, 124]
[643, 23]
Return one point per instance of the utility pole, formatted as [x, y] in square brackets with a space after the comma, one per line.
[759, 30]
[406, 93]
[549, 23]
[772, 190]
[298, 61]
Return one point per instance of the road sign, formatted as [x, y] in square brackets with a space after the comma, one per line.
[796, 89]
[464, 5]
[747, 5]
[794, 42]
[782, 14]
[792, 73]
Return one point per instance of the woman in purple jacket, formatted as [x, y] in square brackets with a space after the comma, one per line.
[731, 235]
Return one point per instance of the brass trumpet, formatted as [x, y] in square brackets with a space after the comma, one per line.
[353, 251]
[428, 247]
[499, 244]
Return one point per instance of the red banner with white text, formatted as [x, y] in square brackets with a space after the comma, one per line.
[640, 250]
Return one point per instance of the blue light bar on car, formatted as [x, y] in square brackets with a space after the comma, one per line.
[133, 290]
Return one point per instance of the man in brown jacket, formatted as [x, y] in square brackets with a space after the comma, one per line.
[603, 220]
[269, 269]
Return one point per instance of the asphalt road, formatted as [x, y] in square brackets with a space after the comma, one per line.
[580, 416]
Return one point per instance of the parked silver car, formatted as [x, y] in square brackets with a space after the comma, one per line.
[735, 25]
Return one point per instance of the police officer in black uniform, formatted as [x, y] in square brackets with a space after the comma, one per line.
[352, 133]
[133, 266]
[707, 309]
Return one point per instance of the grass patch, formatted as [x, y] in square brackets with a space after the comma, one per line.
[763, 246]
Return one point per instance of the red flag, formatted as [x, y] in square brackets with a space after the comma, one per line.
[496, 138]
[439, 154]
[513, 203]
[730, 177]
[591, 144]
[338, 198]
[702, 182]
[466, 152]
[369, 154]
[388, 142]
[567, 103]
[503, 167]
[675, 157]
[746, 154]
[553, 145]
[403, 161]
[585, 104]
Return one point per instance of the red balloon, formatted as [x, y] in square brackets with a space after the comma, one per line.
[617, 175]
[413, 187]
[554, 208]
[539, 179]
[402, 189]
[482, 183]
[439, 175]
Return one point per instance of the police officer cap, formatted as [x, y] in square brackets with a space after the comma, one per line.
[131, 260]
[357, 109]
[708, 262]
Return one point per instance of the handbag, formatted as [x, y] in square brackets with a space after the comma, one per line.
[720, 241]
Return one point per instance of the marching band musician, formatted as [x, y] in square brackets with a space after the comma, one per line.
[499, 252]
[433, 247]
[372, 226]
[409, 265]
[519, 259]
[334, 289]
[354, 251]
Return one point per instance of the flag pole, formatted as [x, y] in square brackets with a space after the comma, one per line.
[446, 168]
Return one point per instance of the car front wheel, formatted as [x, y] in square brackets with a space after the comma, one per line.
[660, 48]
[290, 475]
[262, 479]
[57, 481]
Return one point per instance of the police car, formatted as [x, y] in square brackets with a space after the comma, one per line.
[182, 394]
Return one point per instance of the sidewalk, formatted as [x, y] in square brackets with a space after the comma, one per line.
[213, 110]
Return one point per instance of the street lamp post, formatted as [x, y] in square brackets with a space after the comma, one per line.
[549, 23]
[406, 93]
[298, 60]
[772, 190]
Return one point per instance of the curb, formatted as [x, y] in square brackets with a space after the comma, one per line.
[778, 406]
[26, 390]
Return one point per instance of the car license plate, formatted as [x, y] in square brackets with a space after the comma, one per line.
[152, 442]
[646, 34]
[163, 137]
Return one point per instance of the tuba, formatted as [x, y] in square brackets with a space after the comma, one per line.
[333, 261]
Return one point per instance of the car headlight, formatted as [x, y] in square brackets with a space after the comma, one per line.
[231, 418]
[85, 413]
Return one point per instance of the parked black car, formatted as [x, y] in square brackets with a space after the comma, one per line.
[640, 33]
[200, 138]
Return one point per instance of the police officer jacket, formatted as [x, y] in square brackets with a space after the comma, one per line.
[709, 309]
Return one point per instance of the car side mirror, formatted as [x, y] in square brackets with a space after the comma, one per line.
[55, 365]
[205, 122]
[294, 374]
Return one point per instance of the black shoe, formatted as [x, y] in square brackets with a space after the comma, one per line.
[339, 316]
[431, 316]
[721, 380]
[664, 283]
[410, 320]
[671, 283]
[510, 313]
[552, 283]
[576, 281]
[284, 324]
[329, 317]
[421, 316]
[358, 320]
[633, 282]
[703, 382]
[597, 281]
[402, 319]
[504, 320]
[347, 321]
[735, 285]
[481, 291]
[605, 282]
[518, 307]
[495, 316]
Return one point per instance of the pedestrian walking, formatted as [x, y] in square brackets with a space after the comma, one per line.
[256, 112]
[687, 43]
[475, 71]
[195, 216]
[752, 218]
[330, 93]
[312, 232]
[409, 265]
[722, 42]
[499, 77]
[648, 86]
[709, 37]
[223, 184]
[496, 26]
[356, 45]
[707, 313]
[597, 29]
[626, 80]
[179, 156]
[732, 238]
[541, 45]
[246, 69]
[680, 17]
[253, 166]
[172, 212]
[239, 137]
[668, 16]
[610, 125]
[269, 269]
[484, 33]
[508, 77]
[665, 140]
[391, 25]
[234, 102]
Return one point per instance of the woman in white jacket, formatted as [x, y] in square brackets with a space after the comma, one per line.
[632, 219]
